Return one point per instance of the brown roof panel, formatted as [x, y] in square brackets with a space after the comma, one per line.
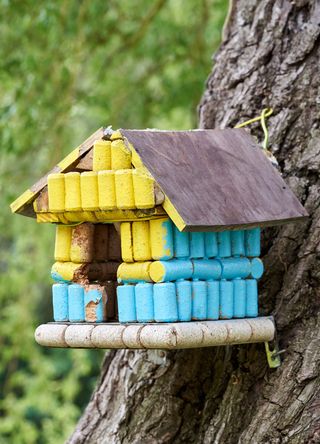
[216, 178]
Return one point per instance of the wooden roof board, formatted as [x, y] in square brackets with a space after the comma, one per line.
[216, 179]
[23, 204]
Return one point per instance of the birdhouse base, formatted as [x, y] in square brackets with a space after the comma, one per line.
[172, 336]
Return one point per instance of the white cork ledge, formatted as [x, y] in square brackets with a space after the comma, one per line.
[157, 336]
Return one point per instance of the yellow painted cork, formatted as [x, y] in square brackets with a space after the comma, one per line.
[124, 189]
[62, 243]
[116, 135]
[56, 192]
[80, 216]
[120, 155]
[143, 186]
[72, 191]
[64, 271]
[126, 242]
[89, 191]
[161, 239]
[101, 155]
[157, 271]
[141, 241]
[107, 192]
[134, 272]
[47, 217]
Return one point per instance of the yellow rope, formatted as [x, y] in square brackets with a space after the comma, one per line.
[265, 113]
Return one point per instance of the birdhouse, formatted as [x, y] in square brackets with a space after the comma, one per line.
[158, 238]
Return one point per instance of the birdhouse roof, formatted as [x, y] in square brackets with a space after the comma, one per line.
[211, 179]
[215, 179]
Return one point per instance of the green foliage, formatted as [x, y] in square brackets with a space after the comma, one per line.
[66, 68]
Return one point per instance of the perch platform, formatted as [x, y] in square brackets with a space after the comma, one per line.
[170, 336]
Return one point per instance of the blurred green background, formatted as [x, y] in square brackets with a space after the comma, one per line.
[68, 67]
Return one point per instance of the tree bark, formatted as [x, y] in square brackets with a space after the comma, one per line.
[269, 57]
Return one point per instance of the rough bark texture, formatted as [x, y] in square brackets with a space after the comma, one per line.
[269, 57]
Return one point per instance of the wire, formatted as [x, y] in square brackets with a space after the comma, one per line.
[262, 118]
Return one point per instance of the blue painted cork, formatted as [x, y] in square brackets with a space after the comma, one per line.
[206, 269]
[257, 268]
[235, 267]
[165, 302]
[211, 244]
[199, 300]
[60, 302]
[213, 300]
[252, 298]
[252, 242]
[181, 243]
[126, 303]
[76, 303]
[164, 271]
[239, 298]
[144, 302]
[237, 243]
[197, 245]
[184, 298]
[224, 243]
[226, 299]
[93, 303]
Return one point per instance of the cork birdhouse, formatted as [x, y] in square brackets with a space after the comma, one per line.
[158, 238]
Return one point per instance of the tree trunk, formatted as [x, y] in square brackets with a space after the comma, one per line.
[269, 58]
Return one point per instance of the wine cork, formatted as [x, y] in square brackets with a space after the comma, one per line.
[184, 299]
[126, 242]
[141, 241]
[72, 191]
[134, 272]
[199, 300]
[95, 298]
[251, 298]
[62, 243]
[161, 239]
[89, 191]
[64, 271]
[165, 302]
[60, 302]
[106, 189]
[101, 155]
[116, 135]
[100, 271]
[56, 192]
[197, 245]
[120, 155]
[111, 288]
[164, 271]
[101, 242]
[143, 186]
[226, 299]
[224, 244]
[144, 302]
[76, 303]
[82, 243]
[114, 247]
[252, 242]
[124, 189]
[126, 303]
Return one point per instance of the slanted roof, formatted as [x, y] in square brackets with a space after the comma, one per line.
[215, 179]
